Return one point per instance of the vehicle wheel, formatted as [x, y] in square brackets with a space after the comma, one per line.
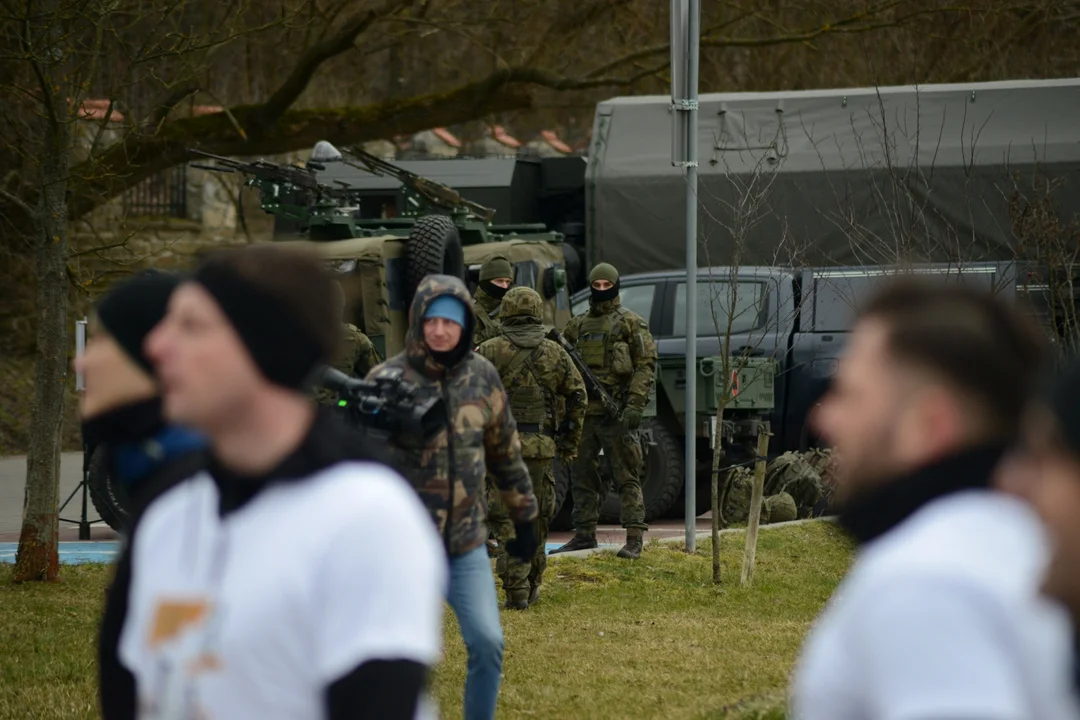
[662, 479]
[434, 248]
[108, 495]
[564, 503]
[575, 279]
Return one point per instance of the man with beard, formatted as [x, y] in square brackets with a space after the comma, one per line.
[480, 438]
[616, 345]
[939, 615]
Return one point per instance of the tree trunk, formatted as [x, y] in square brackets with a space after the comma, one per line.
[37, 557]
[755, 505]
[716, 489]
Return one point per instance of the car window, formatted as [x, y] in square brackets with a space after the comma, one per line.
[526, 273]
[638, 298]
[715, 307]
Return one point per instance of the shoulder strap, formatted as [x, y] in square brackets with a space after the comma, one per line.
[515, 364]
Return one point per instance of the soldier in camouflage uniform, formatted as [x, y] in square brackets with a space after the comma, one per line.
[355, 357]
[449, 471]
[616, 345]
[496, 277]
[536, 371]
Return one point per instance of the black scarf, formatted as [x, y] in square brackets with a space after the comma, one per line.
[129, 423]
[875, 511]
[329, 441]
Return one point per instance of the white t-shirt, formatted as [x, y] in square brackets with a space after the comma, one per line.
[255, 614]
[940, 619]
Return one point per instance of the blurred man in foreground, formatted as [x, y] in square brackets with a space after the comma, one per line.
[229, 614]
[121, 413]
[939, 616]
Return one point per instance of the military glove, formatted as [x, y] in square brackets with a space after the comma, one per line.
[524, 544]
[632, 418]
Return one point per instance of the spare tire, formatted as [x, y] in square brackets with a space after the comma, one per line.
[434, 248]
[107, 493]
[661, 480]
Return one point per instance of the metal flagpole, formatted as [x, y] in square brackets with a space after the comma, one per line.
[685, 19]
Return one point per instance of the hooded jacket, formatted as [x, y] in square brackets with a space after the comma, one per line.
[481, 436]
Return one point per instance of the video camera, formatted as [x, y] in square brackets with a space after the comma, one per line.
[388, 405]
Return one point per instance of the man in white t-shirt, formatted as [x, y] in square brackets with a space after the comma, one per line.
[296, 577]
[939, 616]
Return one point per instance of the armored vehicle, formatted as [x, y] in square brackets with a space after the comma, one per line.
[384, 252]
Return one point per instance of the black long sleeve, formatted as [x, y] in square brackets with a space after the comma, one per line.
[115, 682]
[382, 689]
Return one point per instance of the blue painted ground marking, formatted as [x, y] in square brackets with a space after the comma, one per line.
[105, 551]
[72, 553]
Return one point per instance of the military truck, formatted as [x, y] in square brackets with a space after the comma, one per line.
[787, 331]
[383, 249]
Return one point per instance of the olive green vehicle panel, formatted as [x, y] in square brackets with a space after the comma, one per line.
[373, 289]
[548, 258]
[753, 387]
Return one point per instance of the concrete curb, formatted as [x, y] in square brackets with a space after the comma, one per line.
[699, 537]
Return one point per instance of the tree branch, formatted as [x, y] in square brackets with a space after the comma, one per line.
[312, 59]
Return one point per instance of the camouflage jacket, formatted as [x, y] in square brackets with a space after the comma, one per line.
[627, 363]
[486, 309]
[356, 357]
[541, 363]
[484, 438]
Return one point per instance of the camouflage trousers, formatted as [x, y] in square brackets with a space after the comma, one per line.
[518, 577]
[625, 462]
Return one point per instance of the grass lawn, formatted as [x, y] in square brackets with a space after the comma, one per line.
[610, 639]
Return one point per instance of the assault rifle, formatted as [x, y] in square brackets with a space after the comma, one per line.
[388, 405]
[592, 383]
[435, 193]
[271, 178]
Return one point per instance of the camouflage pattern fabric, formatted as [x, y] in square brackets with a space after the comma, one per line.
[545, 372]
[779, 507]
[356, 356]
[624, 458]
[821, 459]
[629, 335]
[484, 435]
[483, 306]
[518, 577]
[619, 349]
[793, 474]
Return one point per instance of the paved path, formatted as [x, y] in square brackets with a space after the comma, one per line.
[13, 481]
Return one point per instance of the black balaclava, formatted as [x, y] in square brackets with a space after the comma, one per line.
[604, 271]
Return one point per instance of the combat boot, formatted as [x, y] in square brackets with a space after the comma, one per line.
[632, 549]
[534, 594]
[578, 542]
[517, 602]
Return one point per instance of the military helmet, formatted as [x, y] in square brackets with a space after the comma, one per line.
[496, 266]
[604, 271]
[522, 301]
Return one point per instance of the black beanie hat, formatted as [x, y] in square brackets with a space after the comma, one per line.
[283, 349]
[132, 308]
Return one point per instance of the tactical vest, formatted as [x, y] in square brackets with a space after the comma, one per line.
[528, 399]
[594, 343]
[487, 326]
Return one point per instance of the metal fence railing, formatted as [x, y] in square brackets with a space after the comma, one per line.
[163, 195]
